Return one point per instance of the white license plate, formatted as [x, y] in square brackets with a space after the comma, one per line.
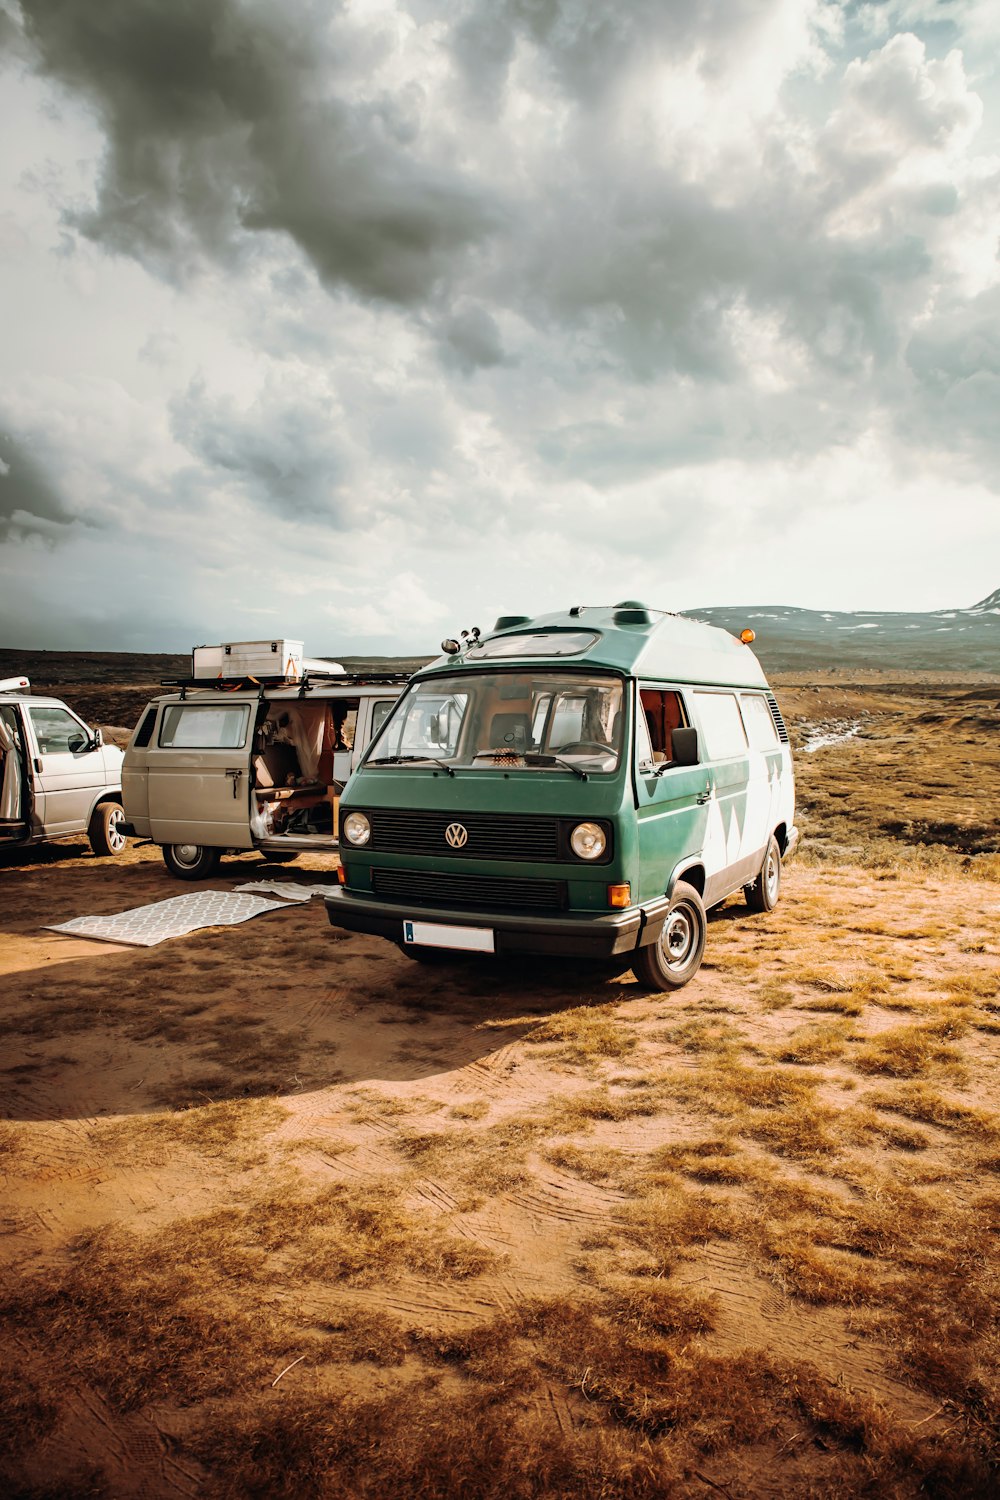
[440, 935]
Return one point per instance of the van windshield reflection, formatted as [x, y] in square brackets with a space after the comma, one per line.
[511, 721]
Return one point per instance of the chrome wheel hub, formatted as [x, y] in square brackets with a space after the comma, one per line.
[678, 938]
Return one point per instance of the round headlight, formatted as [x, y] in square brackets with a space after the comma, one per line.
[356, 829]
[588, 841]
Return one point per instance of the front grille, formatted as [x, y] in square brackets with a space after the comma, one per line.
[469, 890]
[779, 722]
[405, 831]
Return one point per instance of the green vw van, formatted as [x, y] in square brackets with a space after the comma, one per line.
[585, 783]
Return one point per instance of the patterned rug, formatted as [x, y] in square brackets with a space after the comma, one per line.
[145, 926]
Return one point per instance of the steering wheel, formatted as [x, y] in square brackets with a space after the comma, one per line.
[585, 745]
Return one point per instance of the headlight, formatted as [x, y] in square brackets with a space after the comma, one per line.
[356, 829]
[588, 841]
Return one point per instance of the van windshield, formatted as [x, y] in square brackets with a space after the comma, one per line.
[516, 721]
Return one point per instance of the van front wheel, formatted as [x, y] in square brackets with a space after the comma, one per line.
[763, 894]
[190, 861]
[675, 957]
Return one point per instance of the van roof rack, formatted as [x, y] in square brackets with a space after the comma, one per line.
[307, 681]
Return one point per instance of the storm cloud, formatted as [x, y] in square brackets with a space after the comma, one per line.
[220, 119]
[505, 295]
[30, 502]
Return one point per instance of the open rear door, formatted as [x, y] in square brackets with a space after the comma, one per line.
[15, 800]
[198, 768]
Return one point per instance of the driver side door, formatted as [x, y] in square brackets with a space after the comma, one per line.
[67, 769]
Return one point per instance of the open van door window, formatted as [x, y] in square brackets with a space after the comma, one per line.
[661, 713]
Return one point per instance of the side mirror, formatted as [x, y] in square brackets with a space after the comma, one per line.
[97, 739]
[685, 747]
[76, 743]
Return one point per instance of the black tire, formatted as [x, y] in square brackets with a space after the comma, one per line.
[105, 831]
[675, 958]
[763, 893]
[284, 858]
[191, 861]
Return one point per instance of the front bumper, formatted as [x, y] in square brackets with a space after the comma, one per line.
[582, 935]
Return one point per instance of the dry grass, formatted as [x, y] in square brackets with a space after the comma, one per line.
[477, 1444]
[189, 1312]
[235, 1131]
[584, 1035]
[920, 1101]
[776, 1124]
[909, 1051]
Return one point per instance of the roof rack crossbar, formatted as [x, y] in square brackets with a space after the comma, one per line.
[245, 684]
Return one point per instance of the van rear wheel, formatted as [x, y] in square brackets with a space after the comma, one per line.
[763, 893]
[190, 861]
[675, 958]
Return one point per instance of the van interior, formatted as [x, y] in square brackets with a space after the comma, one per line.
[662, 713]
[302, 759]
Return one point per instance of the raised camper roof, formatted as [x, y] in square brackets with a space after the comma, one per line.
[629, 637]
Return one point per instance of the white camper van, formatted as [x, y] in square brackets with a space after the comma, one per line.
[251, 753]
[57, 776]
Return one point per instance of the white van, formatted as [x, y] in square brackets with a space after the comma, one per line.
[57, 776]
[243, 765]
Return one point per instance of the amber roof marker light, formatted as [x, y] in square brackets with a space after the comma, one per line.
[746, 636]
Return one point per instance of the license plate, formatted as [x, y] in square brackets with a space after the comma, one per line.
[440, 935]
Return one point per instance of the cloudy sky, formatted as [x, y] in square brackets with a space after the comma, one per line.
[361, 322]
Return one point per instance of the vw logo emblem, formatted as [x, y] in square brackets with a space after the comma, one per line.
[457, 835]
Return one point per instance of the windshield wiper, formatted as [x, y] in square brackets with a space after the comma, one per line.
[415, 760]
[538, 758]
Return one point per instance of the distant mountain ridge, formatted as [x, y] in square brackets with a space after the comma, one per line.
[950, 640]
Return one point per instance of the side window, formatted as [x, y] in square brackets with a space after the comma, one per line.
[539, 716]
[144, 733]
[760, 726]
[348, 728]
[566, 724]
[721, 725]
[380, 712]
[643, 744]
[57, 732]
[204, 726]
[663, 713]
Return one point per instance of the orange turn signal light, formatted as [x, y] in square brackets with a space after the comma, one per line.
[746, 636]
[341, 875]
[619, 895]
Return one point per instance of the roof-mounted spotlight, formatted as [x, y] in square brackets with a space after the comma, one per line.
[450, 648]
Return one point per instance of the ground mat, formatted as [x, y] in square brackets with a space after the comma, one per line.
[145, 926]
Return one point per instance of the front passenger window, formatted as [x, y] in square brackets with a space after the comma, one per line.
[57, 732]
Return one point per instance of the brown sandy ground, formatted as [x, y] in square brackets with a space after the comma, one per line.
[284, 1213]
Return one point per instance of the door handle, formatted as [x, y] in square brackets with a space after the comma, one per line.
[235, 774]
[703, 797]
